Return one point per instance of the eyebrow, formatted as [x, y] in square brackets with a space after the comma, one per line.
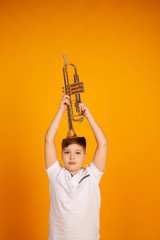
[75, 150]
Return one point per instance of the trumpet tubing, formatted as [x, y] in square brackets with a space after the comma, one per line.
[73, 88]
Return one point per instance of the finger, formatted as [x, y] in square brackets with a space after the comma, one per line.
[80, 105]
[67, 97]
[79, 109]
[82, 110]
[66, 101]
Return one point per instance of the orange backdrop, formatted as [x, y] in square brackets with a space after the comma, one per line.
[115, 47]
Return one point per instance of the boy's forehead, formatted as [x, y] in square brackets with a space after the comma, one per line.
[74, 146]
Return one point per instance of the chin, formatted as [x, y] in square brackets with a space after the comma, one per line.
[72, 168]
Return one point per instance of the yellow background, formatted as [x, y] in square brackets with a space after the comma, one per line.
[115, 47]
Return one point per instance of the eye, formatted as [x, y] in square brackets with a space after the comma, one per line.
[78, 152]
[66, 152]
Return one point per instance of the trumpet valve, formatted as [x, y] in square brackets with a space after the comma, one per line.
[74, 88]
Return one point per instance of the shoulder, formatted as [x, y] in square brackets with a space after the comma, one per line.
[93, 170]
[54, 169]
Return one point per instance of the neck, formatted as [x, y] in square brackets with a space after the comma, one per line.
[75, 171]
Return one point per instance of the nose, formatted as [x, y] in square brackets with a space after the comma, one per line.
[71, 156]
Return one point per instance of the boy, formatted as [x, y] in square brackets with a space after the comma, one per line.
[74, 192]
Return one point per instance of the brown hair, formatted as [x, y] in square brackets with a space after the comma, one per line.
[78, 140]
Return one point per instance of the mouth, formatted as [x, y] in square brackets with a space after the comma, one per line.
[72, 163]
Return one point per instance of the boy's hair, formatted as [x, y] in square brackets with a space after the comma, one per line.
[78, 140]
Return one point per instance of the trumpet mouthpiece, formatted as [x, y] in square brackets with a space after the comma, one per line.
[64, 56]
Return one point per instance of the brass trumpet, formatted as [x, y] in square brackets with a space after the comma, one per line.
[73, 88]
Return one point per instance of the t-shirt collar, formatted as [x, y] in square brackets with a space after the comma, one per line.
[74, 175]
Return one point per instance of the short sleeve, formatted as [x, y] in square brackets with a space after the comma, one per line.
[96, 173]
[53, 169]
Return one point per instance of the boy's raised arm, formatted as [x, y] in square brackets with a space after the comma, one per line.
[100, 155]
[50, 148]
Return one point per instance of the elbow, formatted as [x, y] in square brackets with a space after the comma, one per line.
[47, 139]
[104, 143]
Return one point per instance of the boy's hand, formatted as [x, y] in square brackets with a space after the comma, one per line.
[64, 102]
[83, 109]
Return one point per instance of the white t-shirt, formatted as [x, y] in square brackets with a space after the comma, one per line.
[74, 203]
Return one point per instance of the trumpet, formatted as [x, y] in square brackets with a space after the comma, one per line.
[73, 88]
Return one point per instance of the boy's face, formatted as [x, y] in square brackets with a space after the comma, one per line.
[74, 153]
